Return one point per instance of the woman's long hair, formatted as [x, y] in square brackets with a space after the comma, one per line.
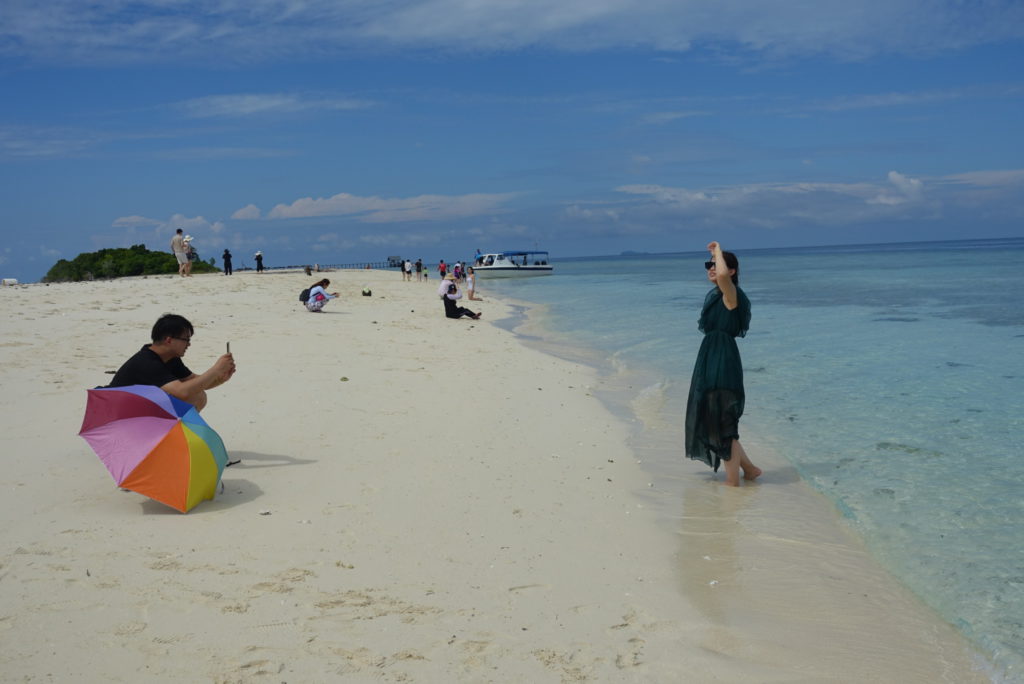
[733, 263]
[323, 283]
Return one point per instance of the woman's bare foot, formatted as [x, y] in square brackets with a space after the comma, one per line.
[751, 473]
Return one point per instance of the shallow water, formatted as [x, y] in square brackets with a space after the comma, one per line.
[891, 377]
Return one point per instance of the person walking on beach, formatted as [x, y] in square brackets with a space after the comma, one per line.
[227, 262]
[178, 248]
[259, 262]
[442, 269]
[449, 293]
[318, 296]
[419, 270]
[716, 399]
[159, 364]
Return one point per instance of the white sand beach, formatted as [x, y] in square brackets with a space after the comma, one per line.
[419, 500]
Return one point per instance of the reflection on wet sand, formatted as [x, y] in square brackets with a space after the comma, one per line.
[772, 571]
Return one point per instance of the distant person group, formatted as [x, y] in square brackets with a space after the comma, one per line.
[449, 294]
[716, 397]
[184, 252]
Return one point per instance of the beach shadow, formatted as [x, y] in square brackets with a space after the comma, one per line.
[236, 491]
[252, 459]
[780, 475]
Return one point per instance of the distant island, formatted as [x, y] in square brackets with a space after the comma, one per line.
[120, 262]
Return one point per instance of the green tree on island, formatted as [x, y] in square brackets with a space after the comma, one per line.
[120, 262]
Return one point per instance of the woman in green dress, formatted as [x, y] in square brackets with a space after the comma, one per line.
[716, 390]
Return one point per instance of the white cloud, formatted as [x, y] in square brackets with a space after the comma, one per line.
[577, 212]
[772, 205]
[659, 118]
[885, 100]
[195, 224]
[148, 30]
[500, 229]
[208, 153]
[906, 190]
[248, 212]
[402, 239]
[266, 103]
[389, 210]
[1004, 178]
[913, 98]
[135, 222]
[44, 142]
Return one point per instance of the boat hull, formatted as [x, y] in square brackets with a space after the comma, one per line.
[490, 272]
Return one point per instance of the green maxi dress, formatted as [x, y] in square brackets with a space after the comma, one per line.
[716, 399]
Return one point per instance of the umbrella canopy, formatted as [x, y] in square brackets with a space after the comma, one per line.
[154, 444]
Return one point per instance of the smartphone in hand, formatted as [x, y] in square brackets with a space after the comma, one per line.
[229, 347]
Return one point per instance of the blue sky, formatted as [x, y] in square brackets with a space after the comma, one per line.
[338, 131]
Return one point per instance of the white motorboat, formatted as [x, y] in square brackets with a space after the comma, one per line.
[512, 264]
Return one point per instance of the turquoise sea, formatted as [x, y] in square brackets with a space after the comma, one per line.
[891, 376]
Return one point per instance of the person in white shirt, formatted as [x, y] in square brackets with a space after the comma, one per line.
[449, 294]
[318, 296]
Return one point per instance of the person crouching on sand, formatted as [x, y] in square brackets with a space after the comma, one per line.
[318, 296]
[159, 364]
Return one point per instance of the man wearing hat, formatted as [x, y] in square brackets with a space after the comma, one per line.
[259, 262]
[180, 253]
[449, 293]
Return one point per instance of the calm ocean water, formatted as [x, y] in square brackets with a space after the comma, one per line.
[891, 376]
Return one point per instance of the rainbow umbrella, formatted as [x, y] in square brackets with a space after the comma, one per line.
[154, 444]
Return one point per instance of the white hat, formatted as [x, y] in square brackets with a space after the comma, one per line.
[258, 253]
[187, 238]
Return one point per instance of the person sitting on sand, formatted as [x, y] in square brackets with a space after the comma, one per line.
[159, 364]
[449, 294]
[318, 296]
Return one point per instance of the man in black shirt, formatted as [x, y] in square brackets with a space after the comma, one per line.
[160, 364]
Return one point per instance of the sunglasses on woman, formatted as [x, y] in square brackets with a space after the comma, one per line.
[708, 265]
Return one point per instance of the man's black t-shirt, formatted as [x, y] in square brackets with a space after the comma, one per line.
[146, 368]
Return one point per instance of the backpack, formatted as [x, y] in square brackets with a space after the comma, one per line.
[304, 295]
